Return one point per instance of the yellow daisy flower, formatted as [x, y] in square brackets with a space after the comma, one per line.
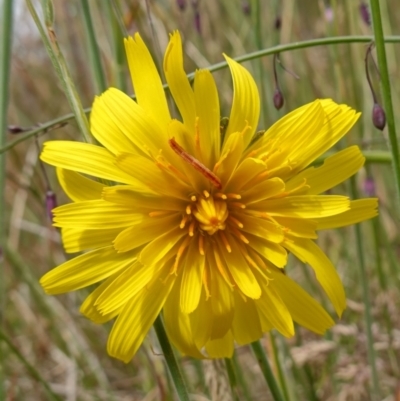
[200, 223]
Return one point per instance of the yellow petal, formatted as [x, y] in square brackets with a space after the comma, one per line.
[146, 81]
[230, 157]
[221, 347]
[156, 250]
[262, 228]
[246, 102]
[141, 202]
[178, 82]
[77, 239]
[335, 170]
[271, 307]
[264, 190]
[192, 278]
[124, 286]
[144, 231]
[88, 308]
[337, 123]
[177, 325]
[305, 206]
[95, 214]
[246, 326]
[307, 251]
[121, 125]
[135, 320]
[201, 321]
[303, 308]
[85, 270]
[360, 210]
[85, 158]
[77, 187]
[105, 128]
[208, 116]
[298, 227]
[240, 270]
[222, 305]
[275, 253]
[152, 178]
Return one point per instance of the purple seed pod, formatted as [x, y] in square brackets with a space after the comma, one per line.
[378, 116]
[51, 203]
[364, 12]
[278, 22]
[369, 187]
[15, 129]
[278, 99]
[181, 4]
[197, 23]
[246, 8]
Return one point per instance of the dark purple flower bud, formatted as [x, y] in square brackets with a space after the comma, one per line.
[364, 12]
[278, 99]
[278, 23]
[15, 129]
[369, 186]
[197, 21]
[51, 203]
[378, 117]
[246, 8]
[181, 4]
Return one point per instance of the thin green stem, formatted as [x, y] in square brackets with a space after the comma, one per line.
[170, 359]
[32, 371]
[366, 300]
[278, 365]
[94, 53]
[6, 17]
[60, 66]
[386, 89]
[232, 377]
[267, 371]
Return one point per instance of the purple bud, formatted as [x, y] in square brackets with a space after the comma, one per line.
[14, 129]
[278, 23]
[278, 99]
[181, 4]
[378, 117]
[364, 12]
[246, 8]
[329, 14]
[197, 21]
[51, 203]
[369, 186]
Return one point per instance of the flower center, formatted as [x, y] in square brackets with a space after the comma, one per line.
[211, 214]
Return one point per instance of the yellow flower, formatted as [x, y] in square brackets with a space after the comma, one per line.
[200, 224]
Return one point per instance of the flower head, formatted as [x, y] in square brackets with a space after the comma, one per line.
[197, 224]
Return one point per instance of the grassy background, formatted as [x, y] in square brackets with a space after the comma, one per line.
[66, 351]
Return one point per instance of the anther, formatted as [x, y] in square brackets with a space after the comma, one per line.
[201, 245]
[220, 195]
[183, 222]
[191, 228]
[233, 196]
[238, 205]
[193, 198]
[239, 235]
[188, 209]
[235, 221]
[225, 241]
[206, 194]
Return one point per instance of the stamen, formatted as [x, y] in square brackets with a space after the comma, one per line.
[183, 221]
[238, 205]
[188, 209]
[201, 168]
[201, 245]
[235, 221]
[233, 196]
[239, 235]
[159, 213]
[193, 198]
[220, 195]
[191, 228]
[206, 194]
[179, 255]
[221, 268]
[225, 241]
